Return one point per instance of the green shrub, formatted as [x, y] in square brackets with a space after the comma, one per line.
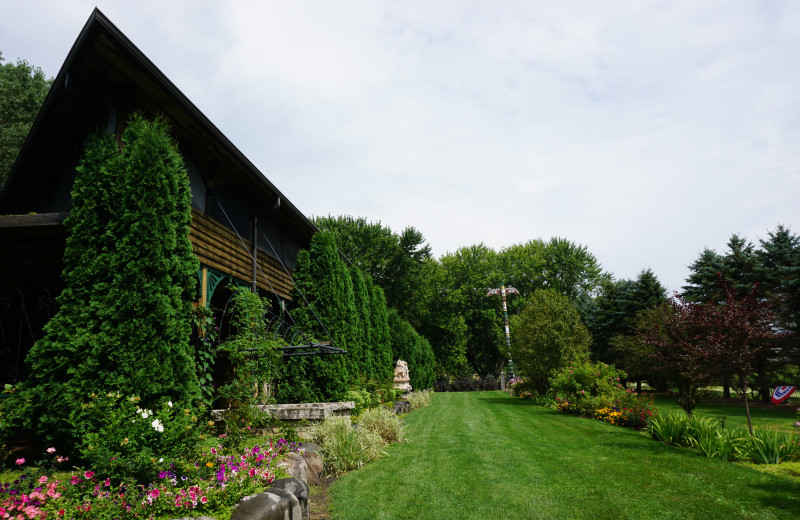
[343, 447]
[419, 399]
[123, 439]
[361, 399]
[253, 355]
[583, 379]
[384, 422]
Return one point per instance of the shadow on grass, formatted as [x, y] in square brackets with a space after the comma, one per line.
[781, 495]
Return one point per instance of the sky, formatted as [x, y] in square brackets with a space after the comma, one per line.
[645, 131]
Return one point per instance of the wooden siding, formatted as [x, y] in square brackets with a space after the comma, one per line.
[217, 246]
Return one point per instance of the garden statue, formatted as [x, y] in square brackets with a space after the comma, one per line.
[401, 378]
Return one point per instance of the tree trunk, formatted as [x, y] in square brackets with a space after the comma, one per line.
[638, 386]
[747, 410]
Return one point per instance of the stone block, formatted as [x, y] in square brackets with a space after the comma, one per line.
[296, 487]
[273, 504]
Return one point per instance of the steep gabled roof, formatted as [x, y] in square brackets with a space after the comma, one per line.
[103, 79]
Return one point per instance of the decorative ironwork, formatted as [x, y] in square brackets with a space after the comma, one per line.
[23, 314]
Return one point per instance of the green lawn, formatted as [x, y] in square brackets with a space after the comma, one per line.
[486, 455]
[778, 417]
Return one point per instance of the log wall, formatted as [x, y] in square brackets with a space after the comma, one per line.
[217, 246]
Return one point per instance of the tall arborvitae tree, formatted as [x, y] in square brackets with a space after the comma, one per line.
[125, 318]
[383, 364]
[360, 352]
[295, 383]
[330, 297]
[412, 348]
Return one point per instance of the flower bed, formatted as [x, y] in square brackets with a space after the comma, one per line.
[209, 486]
[595, 390]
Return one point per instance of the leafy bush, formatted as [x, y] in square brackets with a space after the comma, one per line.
[123, 440]
[253, 356]
[419, 399]
[361, 398]
[584, 379]
[384, 422]
[343, 447]
[595, 390]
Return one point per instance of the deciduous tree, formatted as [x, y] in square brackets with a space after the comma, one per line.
[23, 88]
[546, 336]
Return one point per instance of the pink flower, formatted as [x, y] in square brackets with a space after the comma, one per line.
[88, 474]
[20, 462]
[203, 499]
[42, 479]
[51, 450]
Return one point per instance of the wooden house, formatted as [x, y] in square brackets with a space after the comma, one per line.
[243, 229]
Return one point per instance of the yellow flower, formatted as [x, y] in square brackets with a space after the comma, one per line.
[209, 465]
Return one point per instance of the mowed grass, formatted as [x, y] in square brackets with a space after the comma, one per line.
[780, 417]
[483, 455]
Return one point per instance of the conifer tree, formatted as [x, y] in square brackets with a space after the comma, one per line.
[330, 296]
[381, 339]
[702, 284]
[125, 318]
[360, 352]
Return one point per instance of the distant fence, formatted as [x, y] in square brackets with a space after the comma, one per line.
[466, 384]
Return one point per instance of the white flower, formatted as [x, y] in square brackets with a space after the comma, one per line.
[157, 426]
[169, 403]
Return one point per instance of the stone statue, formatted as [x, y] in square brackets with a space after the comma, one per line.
[401, 378]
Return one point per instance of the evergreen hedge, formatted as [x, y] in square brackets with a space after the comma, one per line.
[342, 305]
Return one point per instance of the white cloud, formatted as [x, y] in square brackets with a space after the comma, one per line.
[644, 130]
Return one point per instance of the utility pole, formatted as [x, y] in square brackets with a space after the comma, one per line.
[502, 291]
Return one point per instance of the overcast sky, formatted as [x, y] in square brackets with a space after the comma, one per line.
[645, 131]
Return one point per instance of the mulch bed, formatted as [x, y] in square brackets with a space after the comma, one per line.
[318, 503]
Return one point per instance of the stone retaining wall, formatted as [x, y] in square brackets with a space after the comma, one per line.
[297, 413]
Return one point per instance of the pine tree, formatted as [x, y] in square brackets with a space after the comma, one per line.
[739, 266]
[702, 283]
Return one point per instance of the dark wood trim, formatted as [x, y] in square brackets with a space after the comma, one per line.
[33, 220]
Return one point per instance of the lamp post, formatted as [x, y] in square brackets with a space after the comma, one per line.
[502, 291]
